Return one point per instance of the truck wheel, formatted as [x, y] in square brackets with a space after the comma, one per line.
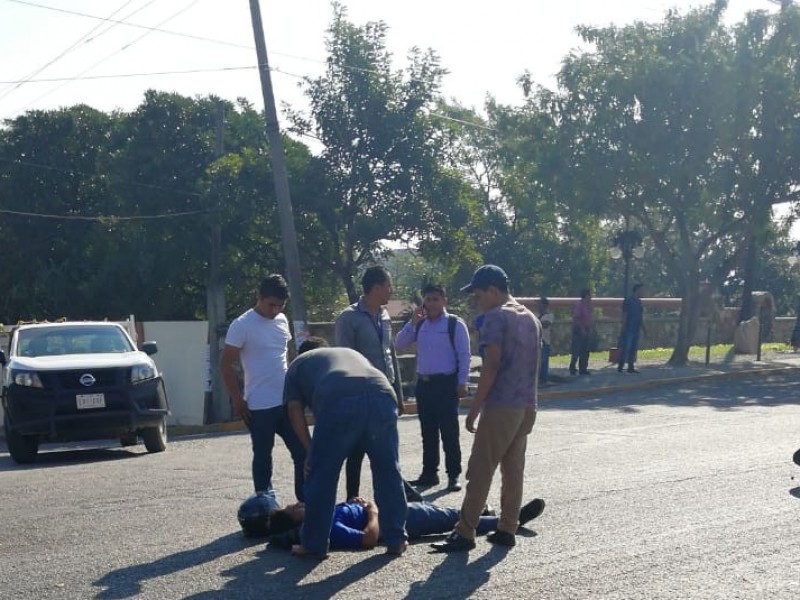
[22, 448]
[155, 438]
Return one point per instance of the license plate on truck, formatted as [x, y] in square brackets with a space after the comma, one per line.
[91, 401]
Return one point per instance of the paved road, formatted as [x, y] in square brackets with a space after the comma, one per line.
[683, 491]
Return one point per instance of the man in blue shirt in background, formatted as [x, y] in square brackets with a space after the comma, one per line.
[632, 324]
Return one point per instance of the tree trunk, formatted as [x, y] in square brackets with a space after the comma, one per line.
[350, 286]
[687, 325]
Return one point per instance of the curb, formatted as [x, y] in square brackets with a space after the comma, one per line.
[646, 383]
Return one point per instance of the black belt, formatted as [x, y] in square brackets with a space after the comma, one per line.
[434, 376]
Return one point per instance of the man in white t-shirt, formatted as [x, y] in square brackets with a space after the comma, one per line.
[258, 339]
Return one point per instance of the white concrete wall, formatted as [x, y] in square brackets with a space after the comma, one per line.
[182, 358]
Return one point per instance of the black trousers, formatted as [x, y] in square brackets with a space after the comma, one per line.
[352, 471]
[579, 350]
[437, 409]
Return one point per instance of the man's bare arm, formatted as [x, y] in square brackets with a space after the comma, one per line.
[371, 530]
[297, 419]
[230, 355]
[489, 369]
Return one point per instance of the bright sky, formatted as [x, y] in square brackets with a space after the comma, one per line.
[485, 46]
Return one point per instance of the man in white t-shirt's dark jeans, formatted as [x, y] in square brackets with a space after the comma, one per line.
[258, 339]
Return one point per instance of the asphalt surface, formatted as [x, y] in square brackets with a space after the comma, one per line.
[679, 489]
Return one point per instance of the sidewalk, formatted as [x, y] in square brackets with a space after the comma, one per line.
[604, 377]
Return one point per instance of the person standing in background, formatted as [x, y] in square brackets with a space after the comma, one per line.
[546, 318]
[258, 339]
[443, 361]
[366, 327]
[582, 325]
[632, 325]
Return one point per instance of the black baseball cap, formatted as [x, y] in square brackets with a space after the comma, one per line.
[485, 276]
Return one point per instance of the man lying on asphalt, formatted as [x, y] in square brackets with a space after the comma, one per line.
[355, 523]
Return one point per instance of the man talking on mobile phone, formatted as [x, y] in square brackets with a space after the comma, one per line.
[443, 360]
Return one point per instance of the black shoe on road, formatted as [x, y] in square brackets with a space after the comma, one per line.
[530, 511]
[453, 485]
[502, 538]
[425, 480]
[454, 543]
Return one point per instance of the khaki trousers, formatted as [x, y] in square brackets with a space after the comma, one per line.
[501, 439]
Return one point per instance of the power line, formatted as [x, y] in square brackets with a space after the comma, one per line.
[121, 49]
[142, 74]
[218, 70]
[201, 38]
[108, 218]
[63, 53]
[135, 25]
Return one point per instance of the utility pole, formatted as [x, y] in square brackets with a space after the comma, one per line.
[281, 179]
[218, 408]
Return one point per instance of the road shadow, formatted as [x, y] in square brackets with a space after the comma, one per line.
[456, 577]
[277, 574]
[49, 459]
[127, 582]
[719, 394]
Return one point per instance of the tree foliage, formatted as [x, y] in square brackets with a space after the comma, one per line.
[379, 149]
[651, 122]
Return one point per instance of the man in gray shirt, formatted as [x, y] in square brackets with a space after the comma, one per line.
[354, 406]
[367, 328]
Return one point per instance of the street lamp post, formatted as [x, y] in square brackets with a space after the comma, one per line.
[626, 244]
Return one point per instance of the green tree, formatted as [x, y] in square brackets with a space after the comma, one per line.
[648, 119]
[767, 147]
[379, 149]
[50, 190]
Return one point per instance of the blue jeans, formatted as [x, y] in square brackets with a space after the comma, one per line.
[629, 345]
[264, 424]
[342, 424]
[544, 368]
[429, 519]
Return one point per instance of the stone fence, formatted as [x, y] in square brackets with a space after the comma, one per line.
[660, 332]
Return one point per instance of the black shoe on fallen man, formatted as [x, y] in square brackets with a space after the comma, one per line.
[530, 511]
[412, 495]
